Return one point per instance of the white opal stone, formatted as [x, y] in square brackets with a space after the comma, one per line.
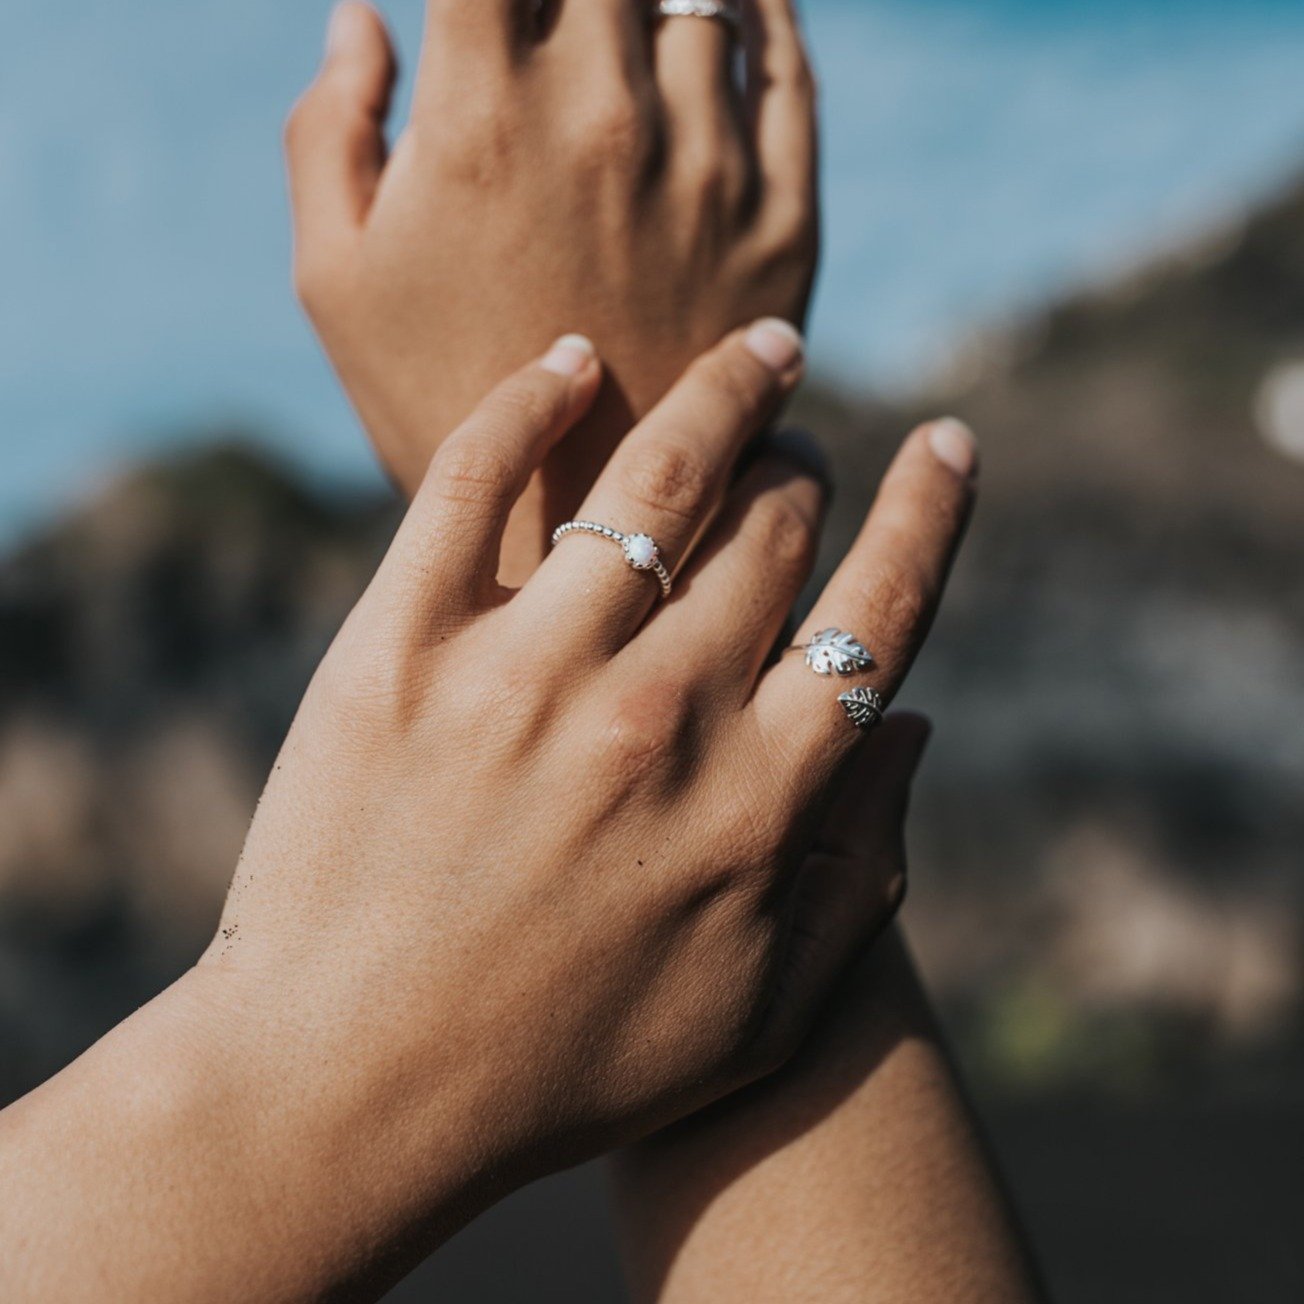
[641, 551]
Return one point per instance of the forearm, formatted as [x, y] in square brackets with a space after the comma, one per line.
[188, 1157]
[856, 1174]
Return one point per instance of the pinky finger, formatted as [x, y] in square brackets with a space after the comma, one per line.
[851, 885]
[782, 103]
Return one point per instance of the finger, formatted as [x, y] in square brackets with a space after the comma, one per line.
[492, 30]
[885, 592]
[693, 58]
[335, 138]
[781, 99]
[606, 33]
[735, 594]
[454, 527]
[664, 481]
[851, 887]
[866, 816]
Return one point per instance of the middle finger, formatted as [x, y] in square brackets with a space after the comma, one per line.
[664, 482]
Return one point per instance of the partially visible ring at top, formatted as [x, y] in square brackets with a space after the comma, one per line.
[726, 11]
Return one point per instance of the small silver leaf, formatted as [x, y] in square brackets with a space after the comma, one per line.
[833, 652]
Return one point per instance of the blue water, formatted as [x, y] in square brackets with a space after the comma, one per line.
[980, 157]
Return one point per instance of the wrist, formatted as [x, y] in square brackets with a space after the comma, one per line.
[341, 1164]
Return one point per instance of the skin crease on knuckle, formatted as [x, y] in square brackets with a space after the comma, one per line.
[613, 131]
[897, 593]
[667, 478]
[782, 535]
[473, 471]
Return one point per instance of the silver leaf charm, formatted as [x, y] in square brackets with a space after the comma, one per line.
[831, 652]
[864, 707]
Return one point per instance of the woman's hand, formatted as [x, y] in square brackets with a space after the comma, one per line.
[589, 171]
[535, 873]
[534, 866]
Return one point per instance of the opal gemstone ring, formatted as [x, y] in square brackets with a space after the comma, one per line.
[641, 551]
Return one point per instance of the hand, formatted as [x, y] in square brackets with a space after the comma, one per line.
[533, 875]
[533, 866]
[601, 174]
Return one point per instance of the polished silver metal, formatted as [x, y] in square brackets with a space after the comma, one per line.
[725, 11]
[864, 707]
[641, 551]
[832, 652]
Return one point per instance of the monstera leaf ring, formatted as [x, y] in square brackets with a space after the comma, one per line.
[833, 652]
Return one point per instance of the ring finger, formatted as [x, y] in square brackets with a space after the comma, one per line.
[694, 59]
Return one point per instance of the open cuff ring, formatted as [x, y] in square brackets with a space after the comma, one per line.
[641, 551]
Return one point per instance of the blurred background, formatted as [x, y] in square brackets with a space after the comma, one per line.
[1080, 225]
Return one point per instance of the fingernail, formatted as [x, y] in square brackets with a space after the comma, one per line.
[802, 447]
[953, 443]
[570, 356]
[776, 343]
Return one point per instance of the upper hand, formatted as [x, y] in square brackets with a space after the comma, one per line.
[603, 175]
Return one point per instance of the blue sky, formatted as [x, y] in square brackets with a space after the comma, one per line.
[980, 156]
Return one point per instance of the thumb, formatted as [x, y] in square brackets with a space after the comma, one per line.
[853, 881]
[334, 140]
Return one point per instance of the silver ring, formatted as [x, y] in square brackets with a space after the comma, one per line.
[726, 11]
[832, 652]
[641, 551]
[864, 707]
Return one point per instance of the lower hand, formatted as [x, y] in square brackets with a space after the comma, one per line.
[532, 876]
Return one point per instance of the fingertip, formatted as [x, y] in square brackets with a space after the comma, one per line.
[778, 344]
[572, 357]
[955, 445]
[351, 23]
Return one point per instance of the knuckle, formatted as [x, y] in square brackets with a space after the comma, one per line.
[897, 595]
[670, 478]
[715, 175]
[474, 471]
[802, 80]
[742, 382]
[791, 230]
[641, 729]
[483, 145]
[529, 402]
[613, 130]
[783, 533]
